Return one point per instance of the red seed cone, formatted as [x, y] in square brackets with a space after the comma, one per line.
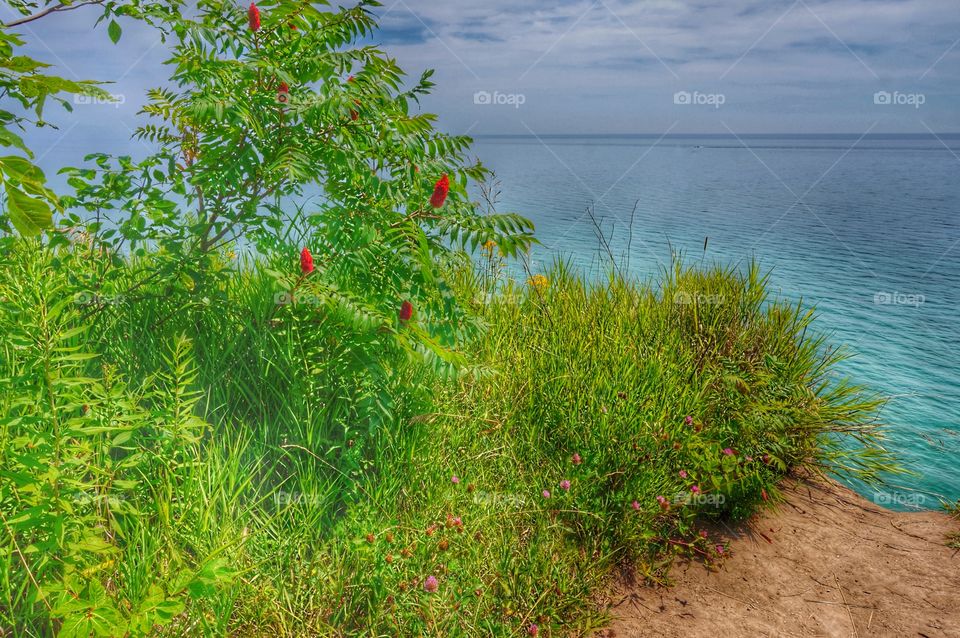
[306, 261]
[440, 192]
[253, 16]
[406, 311]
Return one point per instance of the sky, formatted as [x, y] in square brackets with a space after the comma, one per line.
[597, 67]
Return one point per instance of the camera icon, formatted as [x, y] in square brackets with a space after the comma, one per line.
[882, 98]
[283, 97]
[682, 298]
[682, 97]
[482, 97]
[283, 298]
[883, 299]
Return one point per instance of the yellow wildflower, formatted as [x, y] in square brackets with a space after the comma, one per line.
[539, 281]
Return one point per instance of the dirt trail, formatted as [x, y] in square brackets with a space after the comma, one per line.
[827, 563]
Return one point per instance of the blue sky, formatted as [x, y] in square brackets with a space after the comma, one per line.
[601, 66]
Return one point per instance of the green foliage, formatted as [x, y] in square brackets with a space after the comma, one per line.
[26, 89]
[196, 442]
[321, 497]
[255, 125]
[953, 540]
[84, 458]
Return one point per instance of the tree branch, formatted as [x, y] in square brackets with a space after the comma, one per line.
[57, 8]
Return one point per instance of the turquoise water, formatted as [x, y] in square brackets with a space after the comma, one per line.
[866, 230]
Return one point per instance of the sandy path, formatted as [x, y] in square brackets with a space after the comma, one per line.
[834, 565]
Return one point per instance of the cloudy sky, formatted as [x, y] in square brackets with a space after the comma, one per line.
[604, 66]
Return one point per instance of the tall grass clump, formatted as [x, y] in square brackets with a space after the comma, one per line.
[246, 486]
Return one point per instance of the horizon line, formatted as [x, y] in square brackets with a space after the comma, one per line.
[727, 135]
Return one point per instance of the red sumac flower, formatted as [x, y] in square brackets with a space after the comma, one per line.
[306, 261]
[406, 311]
[440, 192]
[253, 16]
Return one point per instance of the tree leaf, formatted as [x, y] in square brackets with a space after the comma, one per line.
[30, 216]
[114, 31]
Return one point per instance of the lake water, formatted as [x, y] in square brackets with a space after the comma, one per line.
[867, 230]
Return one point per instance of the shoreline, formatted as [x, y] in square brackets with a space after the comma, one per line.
[826, 562]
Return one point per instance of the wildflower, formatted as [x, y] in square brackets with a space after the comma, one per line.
[565, 485]
[689, 420]
[457, 521]
[695, 489]
[430, 585]
[720, 549]
[443, 545]
[703, 533]
[664, 503]
[576, 459]
[471, 487]
[253, 17]
[635, 505]
[440, 192]
[371, 538]
[406, 312]
[539, 281]
[389, 537]
[727, 451]
[389, 559]
[455, 479]
[546, 493]
[766, 459]
[533, 630]
[489, 246]
[749, 459]
[683, 474]
[306, 261]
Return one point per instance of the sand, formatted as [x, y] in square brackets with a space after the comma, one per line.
[825, 563]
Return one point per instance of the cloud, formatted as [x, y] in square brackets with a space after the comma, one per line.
[575, 59]
[594, 66]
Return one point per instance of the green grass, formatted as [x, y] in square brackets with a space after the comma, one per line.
[255, 469]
